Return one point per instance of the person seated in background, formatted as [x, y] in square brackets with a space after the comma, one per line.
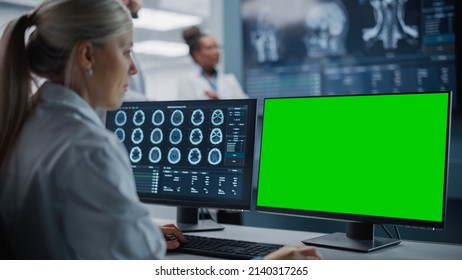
[208, 83]
[66, 186]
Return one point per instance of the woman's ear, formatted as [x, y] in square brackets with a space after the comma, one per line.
[84, 55]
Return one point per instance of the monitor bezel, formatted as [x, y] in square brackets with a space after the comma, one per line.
[369, 219]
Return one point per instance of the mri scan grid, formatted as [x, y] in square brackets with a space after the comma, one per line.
[186, 137]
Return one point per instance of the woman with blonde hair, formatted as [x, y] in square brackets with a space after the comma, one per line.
[66, 187]
[67, 191]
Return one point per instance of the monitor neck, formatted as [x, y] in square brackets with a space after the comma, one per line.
[187, 219]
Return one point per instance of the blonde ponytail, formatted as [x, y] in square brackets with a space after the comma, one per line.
[15, 84]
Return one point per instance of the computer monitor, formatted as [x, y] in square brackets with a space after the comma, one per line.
[190, 154]
[337, 47]
[363, 159]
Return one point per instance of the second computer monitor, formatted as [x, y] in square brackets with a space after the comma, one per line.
[189, 154]
[364, 159]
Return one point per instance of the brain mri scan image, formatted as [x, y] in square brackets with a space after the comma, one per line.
[196, 136]
[157, 136]
[135, 154]
[120, 118]
[197, 117]
[390, 26]
[264, 37]
[326, 24]
[218, 117]
[194, 156]
[216, 136]
[177, 118]
[174, 155]
[176, 136]
[214, 157]
[155, 155]
[137, 136]
[120, 134]
[158, 117]
[139, 118]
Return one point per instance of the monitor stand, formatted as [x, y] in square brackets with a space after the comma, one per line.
[187, 219]
[359, 237]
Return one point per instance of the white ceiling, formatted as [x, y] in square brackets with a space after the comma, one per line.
[197, 8]
[194, 7]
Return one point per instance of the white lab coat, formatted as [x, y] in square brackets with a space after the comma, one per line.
[68, 191]
[193, 87]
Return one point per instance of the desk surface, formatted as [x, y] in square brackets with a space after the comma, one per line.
[406, 250]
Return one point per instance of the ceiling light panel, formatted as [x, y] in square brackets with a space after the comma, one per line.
[163, 20]
[161, 48]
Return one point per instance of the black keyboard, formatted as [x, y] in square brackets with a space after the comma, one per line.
[226, 248]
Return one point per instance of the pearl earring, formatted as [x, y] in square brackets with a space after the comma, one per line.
[89, 72]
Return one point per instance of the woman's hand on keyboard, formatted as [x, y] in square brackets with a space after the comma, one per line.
[173, 236]
[292, 252]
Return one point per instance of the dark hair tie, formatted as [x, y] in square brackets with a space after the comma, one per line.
[30, 19]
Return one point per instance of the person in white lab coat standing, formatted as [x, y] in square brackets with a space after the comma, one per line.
[208, 83]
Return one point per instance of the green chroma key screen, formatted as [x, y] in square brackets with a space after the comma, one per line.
[373, 155]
